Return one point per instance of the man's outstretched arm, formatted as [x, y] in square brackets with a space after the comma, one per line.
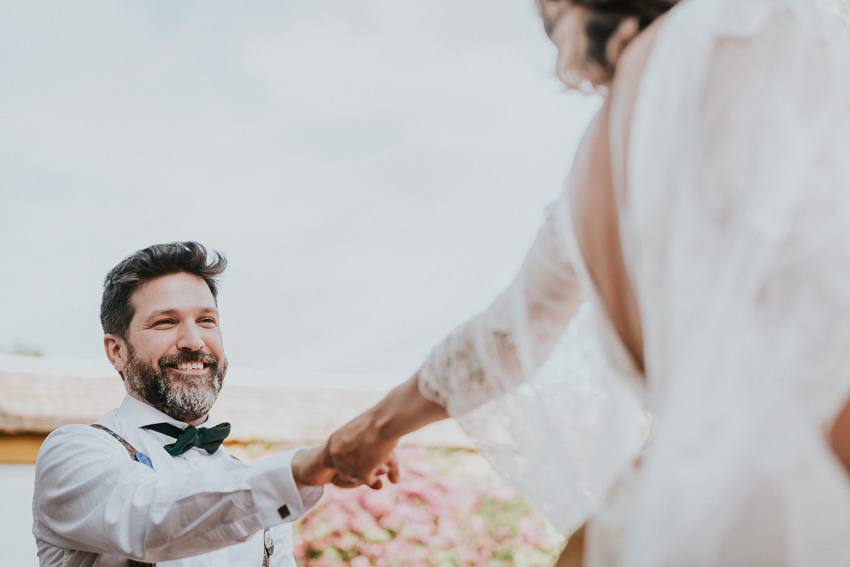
[91, 497]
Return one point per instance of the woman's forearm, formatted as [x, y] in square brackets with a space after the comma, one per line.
[840, 437]
[404, 410]
[362, 448]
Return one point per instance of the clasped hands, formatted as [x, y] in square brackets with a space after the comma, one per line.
[361, 451]
[354, 455]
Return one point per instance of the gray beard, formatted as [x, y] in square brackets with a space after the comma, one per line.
[185, 398]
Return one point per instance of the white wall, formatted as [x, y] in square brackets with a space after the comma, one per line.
[17, 546]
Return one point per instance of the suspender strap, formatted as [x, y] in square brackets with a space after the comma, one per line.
[139, 457]
[268, 547]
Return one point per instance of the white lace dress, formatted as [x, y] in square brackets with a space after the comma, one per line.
[736, 235]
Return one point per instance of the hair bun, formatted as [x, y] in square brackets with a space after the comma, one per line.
[606, 16]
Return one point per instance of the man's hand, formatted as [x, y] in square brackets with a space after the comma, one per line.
[307, 468]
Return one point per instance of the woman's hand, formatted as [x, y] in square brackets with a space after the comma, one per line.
[309, 468]
[361, 450]
[359, 454]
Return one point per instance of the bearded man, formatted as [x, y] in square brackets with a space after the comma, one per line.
[149, 482]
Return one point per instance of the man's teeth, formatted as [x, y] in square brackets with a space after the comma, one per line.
[190, 366]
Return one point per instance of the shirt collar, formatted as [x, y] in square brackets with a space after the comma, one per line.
[138, 414]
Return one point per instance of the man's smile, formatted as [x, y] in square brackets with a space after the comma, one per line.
[190, 367]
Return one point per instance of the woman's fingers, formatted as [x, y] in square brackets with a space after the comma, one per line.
[344, 483]
[389, 469]
[393, 473]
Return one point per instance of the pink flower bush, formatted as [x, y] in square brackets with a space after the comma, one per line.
[429, 519]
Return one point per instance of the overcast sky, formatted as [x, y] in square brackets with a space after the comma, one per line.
[373, 170]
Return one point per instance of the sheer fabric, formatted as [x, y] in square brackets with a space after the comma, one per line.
[736, 233]
[565, 435]
[497, 350]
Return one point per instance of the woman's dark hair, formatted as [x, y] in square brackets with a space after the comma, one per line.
[116, 310]
[605, 16]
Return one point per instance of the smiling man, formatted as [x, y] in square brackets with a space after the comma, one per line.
[149, 482]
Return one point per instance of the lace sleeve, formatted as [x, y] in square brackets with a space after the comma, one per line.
[498, 349]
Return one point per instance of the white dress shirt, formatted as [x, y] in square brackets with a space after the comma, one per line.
[95, 506]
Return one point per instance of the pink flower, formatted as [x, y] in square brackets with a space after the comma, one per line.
[533, 536]
[369, 549]
[474, 556]
[362, 521]
[447, 535]
[338, 520]
[429, 519]
[378, 502]
[325, 561]
[397, 548]
[501, 532]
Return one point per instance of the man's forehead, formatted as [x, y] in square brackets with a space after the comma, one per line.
[173, 292]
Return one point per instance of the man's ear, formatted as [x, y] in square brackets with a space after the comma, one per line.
[116, 352]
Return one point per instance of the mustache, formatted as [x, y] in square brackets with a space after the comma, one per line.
[189, 356]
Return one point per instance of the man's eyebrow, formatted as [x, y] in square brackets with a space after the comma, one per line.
[162, 312]
[173, 312]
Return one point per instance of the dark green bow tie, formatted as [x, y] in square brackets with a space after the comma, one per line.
[208, 439]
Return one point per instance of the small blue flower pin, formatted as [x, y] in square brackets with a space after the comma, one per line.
[144, 459]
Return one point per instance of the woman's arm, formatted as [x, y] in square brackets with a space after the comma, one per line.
[358, 449]
[840, 437]
[490, 354]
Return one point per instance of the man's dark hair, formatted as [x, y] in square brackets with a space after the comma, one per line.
[116, 310]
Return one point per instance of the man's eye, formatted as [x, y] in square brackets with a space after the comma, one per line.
[208, 320]
[163, 322]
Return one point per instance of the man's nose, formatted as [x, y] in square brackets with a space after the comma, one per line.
[190, 337]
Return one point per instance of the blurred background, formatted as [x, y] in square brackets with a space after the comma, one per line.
[374, 172]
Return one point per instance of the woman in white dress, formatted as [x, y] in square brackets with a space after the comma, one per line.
[704, 239]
